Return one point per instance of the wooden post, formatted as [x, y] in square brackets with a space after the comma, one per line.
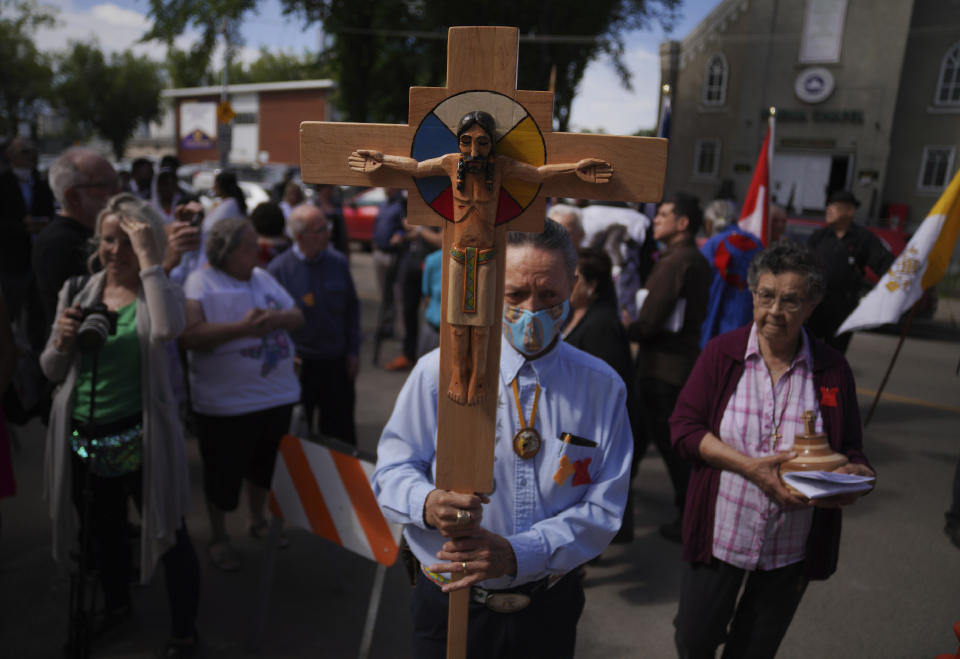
[481, 75]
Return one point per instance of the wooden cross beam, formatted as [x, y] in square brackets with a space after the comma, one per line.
[481, 75]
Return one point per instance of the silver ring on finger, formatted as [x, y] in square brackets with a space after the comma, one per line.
[463, 567]
[464, 517]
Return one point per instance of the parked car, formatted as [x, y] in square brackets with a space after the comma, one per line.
[360, 210]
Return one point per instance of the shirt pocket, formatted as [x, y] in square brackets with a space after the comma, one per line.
[569, 471]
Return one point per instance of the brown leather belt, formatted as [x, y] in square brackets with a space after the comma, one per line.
[500, 601]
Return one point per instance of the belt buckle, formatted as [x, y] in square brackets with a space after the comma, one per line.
[501, 602]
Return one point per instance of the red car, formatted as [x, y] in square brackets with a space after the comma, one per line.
[360, 214]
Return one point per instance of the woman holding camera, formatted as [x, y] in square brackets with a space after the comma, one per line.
[114, 431]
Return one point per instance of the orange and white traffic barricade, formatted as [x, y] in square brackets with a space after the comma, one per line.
[328, 493]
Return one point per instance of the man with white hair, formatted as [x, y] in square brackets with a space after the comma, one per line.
[569, 217]
[328, 344]
[82, 181]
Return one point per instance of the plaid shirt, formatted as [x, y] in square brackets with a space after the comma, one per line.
[751, 530]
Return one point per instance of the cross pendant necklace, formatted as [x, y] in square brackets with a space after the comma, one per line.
[776, 435]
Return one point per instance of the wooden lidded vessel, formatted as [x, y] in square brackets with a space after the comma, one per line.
[813, 452]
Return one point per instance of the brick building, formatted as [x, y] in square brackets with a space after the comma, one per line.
[266, 128]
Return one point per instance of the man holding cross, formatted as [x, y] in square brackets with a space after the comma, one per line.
[561, 473]
[476, 174]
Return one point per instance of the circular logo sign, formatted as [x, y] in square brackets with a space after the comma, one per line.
[518, 137]
[814, 85]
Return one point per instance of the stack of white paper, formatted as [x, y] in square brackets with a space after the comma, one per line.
[819, 484]
[674, 322]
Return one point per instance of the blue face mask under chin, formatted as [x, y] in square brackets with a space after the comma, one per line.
[530, 332]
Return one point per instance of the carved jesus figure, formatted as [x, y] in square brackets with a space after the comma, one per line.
[476, 174]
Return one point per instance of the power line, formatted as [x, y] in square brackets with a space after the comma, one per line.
[529, 38]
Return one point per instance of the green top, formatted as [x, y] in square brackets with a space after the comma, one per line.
[118, 374]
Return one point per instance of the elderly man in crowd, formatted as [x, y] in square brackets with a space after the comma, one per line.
[518, 548]
[328, 345]
[82, 181]
[568, 217]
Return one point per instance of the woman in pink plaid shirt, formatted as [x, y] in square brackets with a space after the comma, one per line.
[735, 420]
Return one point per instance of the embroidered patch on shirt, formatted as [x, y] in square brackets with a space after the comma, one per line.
[582, 477]
[828, 396]
[564, 472]
[308, 299]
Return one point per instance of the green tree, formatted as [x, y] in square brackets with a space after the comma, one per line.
[108, 96]
[275, 67]
[25, 73]
[376, 50]
[189, 68]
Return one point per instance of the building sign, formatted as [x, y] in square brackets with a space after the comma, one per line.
[814, 85]
[816, 116]
[822, 31]
[198, 125]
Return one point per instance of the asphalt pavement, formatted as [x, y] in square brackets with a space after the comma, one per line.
[896, 592]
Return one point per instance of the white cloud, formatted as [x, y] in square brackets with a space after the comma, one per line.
[114, 27]
[602, 102]
[114, 16]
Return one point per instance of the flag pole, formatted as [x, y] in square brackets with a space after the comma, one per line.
[771, 127]
[893, 360]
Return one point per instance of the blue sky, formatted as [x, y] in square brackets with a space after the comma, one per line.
[600, 102]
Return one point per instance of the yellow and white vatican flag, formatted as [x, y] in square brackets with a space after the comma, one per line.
[921, 265]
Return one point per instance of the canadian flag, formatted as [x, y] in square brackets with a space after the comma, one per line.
[755, 215]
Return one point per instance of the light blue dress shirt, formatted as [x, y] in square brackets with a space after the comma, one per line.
[553, 528]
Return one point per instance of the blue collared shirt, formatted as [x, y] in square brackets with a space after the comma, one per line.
[558, 509]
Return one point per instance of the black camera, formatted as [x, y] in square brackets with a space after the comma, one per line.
[97, 324]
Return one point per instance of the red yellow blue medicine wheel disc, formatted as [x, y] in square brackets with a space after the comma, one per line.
[518, 137]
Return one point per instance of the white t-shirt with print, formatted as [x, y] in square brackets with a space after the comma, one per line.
[247, 374]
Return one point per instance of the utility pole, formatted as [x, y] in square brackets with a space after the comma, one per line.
[224, 120]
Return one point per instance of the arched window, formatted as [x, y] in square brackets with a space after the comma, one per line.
[948, 87]
[715, 81]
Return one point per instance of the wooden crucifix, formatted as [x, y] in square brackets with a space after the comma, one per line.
[481, 155]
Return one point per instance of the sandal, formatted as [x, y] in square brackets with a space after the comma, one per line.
[224, 556]
[261, 531]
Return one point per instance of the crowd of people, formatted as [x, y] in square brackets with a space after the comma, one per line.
[151, 314]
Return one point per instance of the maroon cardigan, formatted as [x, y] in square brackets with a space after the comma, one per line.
[700, 407]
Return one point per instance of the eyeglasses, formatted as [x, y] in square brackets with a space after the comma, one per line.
[788, 303]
